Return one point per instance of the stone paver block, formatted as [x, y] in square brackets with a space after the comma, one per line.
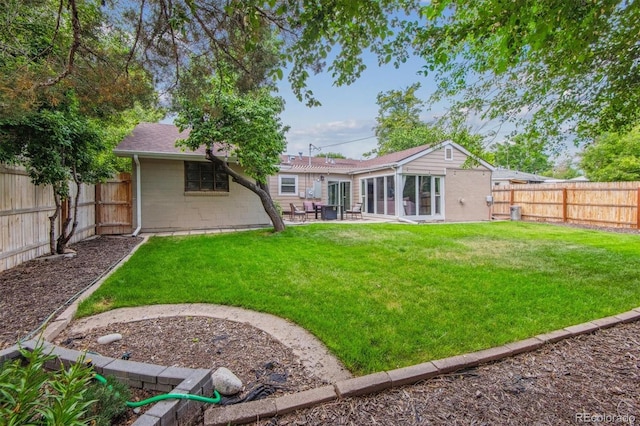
[197, 382]
[165, 410]
[99, 362]
[9, 353]
[133, 383]
[629, 316]
[492, 354]
[55, 328]
[147, 420]
[454, 363]
[174, 375]
[554, 336]
[412, 374]
[160, 387]
[584, 328]
[606, 322]
[526, 345]
[63, 355]
[308, 398]
[363, 385]
[134, 370]
[246, 412]
[187, 409]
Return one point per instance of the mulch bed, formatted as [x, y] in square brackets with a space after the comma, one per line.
[34, 290]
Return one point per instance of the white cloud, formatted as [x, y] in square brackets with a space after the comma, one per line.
[333, 136]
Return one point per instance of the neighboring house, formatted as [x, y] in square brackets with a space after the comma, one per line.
[508, 177]
[177, 189]
[426, 183]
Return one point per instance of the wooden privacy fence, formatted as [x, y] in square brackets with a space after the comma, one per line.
[604, 204]
[113, 205]
[25, 209]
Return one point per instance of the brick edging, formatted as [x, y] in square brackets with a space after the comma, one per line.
[139, 375]
[251, 411]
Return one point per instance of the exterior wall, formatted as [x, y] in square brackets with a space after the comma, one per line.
[435, 163]
[166, 206]
[465, 193]
[305, 181]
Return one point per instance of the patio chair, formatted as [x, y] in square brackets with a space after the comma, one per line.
[296, 212]
[309, 208]
[355, 211]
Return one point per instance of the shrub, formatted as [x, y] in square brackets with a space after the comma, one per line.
[29, 394]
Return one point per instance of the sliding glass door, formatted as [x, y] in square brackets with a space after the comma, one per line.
[339, 193]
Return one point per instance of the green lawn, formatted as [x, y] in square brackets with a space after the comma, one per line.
[389, 295]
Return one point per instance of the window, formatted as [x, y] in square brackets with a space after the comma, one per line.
[204, 176]
[378, 195]
[422, 195]
[287, 185]
[448, 153]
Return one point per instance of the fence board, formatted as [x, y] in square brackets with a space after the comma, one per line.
[113, 205]
[24, 217]
[610, 204]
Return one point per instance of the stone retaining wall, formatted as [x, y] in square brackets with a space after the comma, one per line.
[159, 378]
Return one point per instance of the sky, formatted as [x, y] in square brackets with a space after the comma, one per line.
[348, 113]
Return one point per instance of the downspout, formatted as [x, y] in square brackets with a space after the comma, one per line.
[138, 197]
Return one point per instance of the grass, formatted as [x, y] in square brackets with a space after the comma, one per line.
[389, 295]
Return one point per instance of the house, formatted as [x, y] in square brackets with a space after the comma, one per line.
[508, 177]
[425, 183]
[176, 189]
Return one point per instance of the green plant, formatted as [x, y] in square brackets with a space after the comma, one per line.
[30, 394]
[21, 387]
[111, 401]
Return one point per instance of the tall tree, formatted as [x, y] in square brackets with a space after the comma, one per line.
[245, 127]
[564, 69]
[399, 125]
[523, 154]
[613, 157]
[57, 146]
[52, 46]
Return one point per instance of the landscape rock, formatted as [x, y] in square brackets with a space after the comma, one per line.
[109, 338]
[225, 382]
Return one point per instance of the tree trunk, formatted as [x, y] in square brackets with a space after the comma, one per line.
[259, 188]
[52, 223]
[64, 237]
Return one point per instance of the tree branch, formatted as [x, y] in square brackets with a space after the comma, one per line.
[75, 45]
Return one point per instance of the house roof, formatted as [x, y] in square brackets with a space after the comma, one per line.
[158, 140]
[506, 174]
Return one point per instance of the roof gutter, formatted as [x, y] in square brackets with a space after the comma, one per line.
[138, 198]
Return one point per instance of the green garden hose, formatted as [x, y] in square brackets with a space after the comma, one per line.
[132, 404]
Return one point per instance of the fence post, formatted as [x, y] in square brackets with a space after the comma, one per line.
[98, 207]
[638, 210]
[564, 204]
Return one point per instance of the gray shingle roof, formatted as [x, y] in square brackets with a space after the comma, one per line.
[156, 138]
